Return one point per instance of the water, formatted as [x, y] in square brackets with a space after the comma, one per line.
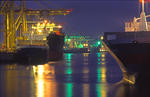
[78, 75]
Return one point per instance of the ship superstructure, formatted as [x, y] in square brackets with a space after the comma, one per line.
[140, 23]
[39, 32]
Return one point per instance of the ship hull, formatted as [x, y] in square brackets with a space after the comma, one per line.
[55, 44]
[133, 51]
[135, 55]
[7, 57]
[32, 55]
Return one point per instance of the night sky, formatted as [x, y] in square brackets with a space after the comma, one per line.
[90, 17]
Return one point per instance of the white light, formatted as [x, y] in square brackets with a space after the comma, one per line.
[59, 26]
[40, 31]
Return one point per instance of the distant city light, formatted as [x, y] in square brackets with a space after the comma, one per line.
[102, 37]
[59, 26]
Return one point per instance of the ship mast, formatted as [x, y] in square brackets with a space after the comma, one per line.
[143, 21]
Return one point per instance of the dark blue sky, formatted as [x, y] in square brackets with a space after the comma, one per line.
[90, 17]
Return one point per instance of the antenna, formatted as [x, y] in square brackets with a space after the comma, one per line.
[142, 5]
[143, 22]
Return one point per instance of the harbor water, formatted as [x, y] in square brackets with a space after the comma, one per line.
[77, 75]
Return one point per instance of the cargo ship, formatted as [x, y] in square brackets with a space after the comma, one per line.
[43, 44]
[132, 48]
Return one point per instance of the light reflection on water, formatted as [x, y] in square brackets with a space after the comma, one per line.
[86, 90]
[101, 76]
[78, 75]
[44, 76]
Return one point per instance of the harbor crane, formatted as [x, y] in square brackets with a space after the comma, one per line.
[15, 21]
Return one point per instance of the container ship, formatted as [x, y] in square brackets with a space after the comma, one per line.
[43, 44]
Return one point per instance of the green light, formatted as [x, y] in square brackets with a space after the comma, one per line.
[65, 39]
[69, 87]
[69, 39]
[80, 46]
[98, 42]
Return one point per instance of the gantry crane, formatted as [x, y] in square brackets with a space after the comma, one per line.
[7, 10]
[15, 21]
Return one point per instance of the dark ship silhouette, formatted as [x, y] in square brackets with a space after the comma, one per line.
[55, 43]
